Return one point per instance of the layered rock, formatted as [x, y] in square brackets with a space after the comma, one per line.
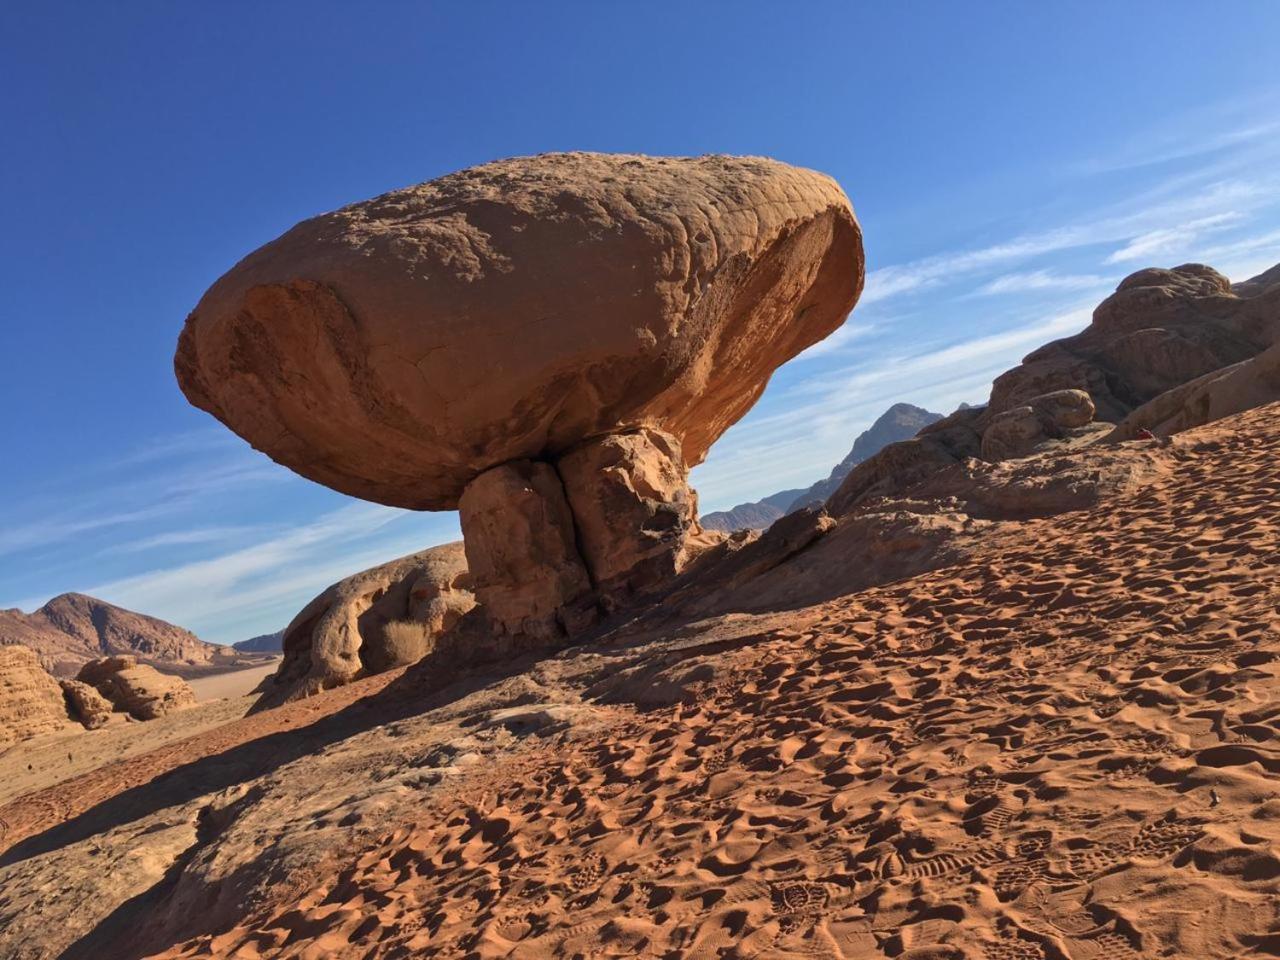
[375, 620]
[137, 689]
[606, 317]
[86, 704]
[30, 700]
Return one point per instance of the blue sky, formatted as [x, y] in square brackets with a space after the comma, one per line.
[1009, 162]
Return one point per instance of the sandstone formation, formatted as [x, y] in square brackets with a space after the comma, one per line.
[520, 543]
[86, 704]
[72, 629]
[1167, 347]
[901, 465]
[136, 688]
[1021, 430]
[1242, 386]
[573, 312]
[1062, 742]
[900, 422]
[1159, 329]
[374, 620]
[30, 700]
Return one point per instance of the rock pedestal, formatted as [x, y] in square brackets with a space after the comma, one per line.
[525, 567]
[632, 508]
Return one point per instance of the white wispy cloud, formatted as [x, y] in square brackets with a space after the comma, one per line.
[1167, 241]
[1202, 210]
[184, 537]
[1036, 280]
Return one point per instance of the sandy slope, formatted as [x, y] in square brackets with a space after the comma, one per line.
[1070, 749]
[233, 683]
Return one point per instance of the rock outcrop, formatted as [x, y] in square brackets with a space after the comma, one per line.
[86, 704]
[606, 317]
[1242, 386]
[375, 620]
[31, 701]
[136, 688]
[1165, 350]
[1021, 430]
[72, 629]
[901, 465]
[1160, 329]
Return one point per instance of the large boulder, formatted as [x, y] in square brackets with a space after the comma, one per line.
[1022, 430]
[135, 688]
[375, 620]
[529, 311]
[30, 699]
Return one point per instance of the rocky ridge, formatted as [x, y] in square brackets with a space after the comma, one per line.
[72, 629]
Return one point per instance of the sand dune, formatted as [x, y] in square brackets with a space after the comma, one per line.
[1070, 749]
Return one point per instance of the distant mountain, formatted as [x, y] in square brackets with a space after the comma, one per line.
[266, 643]
[752, 516]
[900, 422]
[72, 629]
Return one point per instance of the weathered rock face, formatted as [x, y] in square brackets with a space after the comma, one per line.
[30, 700]
[1159, 329]
[457, 343]
[519, 536]
[633, 509]
[1020, 430]
[135, 688]
[1243, 386]
[86, 704]
[396, 348]
[375, 620]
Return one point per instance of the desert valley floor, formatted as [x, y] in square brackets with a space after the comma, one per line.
[1068, 748]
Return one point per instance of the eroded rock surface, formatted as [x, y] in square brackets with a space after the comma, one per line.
[86, 704]
[135, 688]
[1021, 430]
[375, 620]
[30, 700]
[1242, 386]
[632, 508]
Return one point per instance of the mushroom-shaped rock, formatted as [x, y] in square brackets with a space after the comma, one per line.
[526, 311]
[396, 348]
